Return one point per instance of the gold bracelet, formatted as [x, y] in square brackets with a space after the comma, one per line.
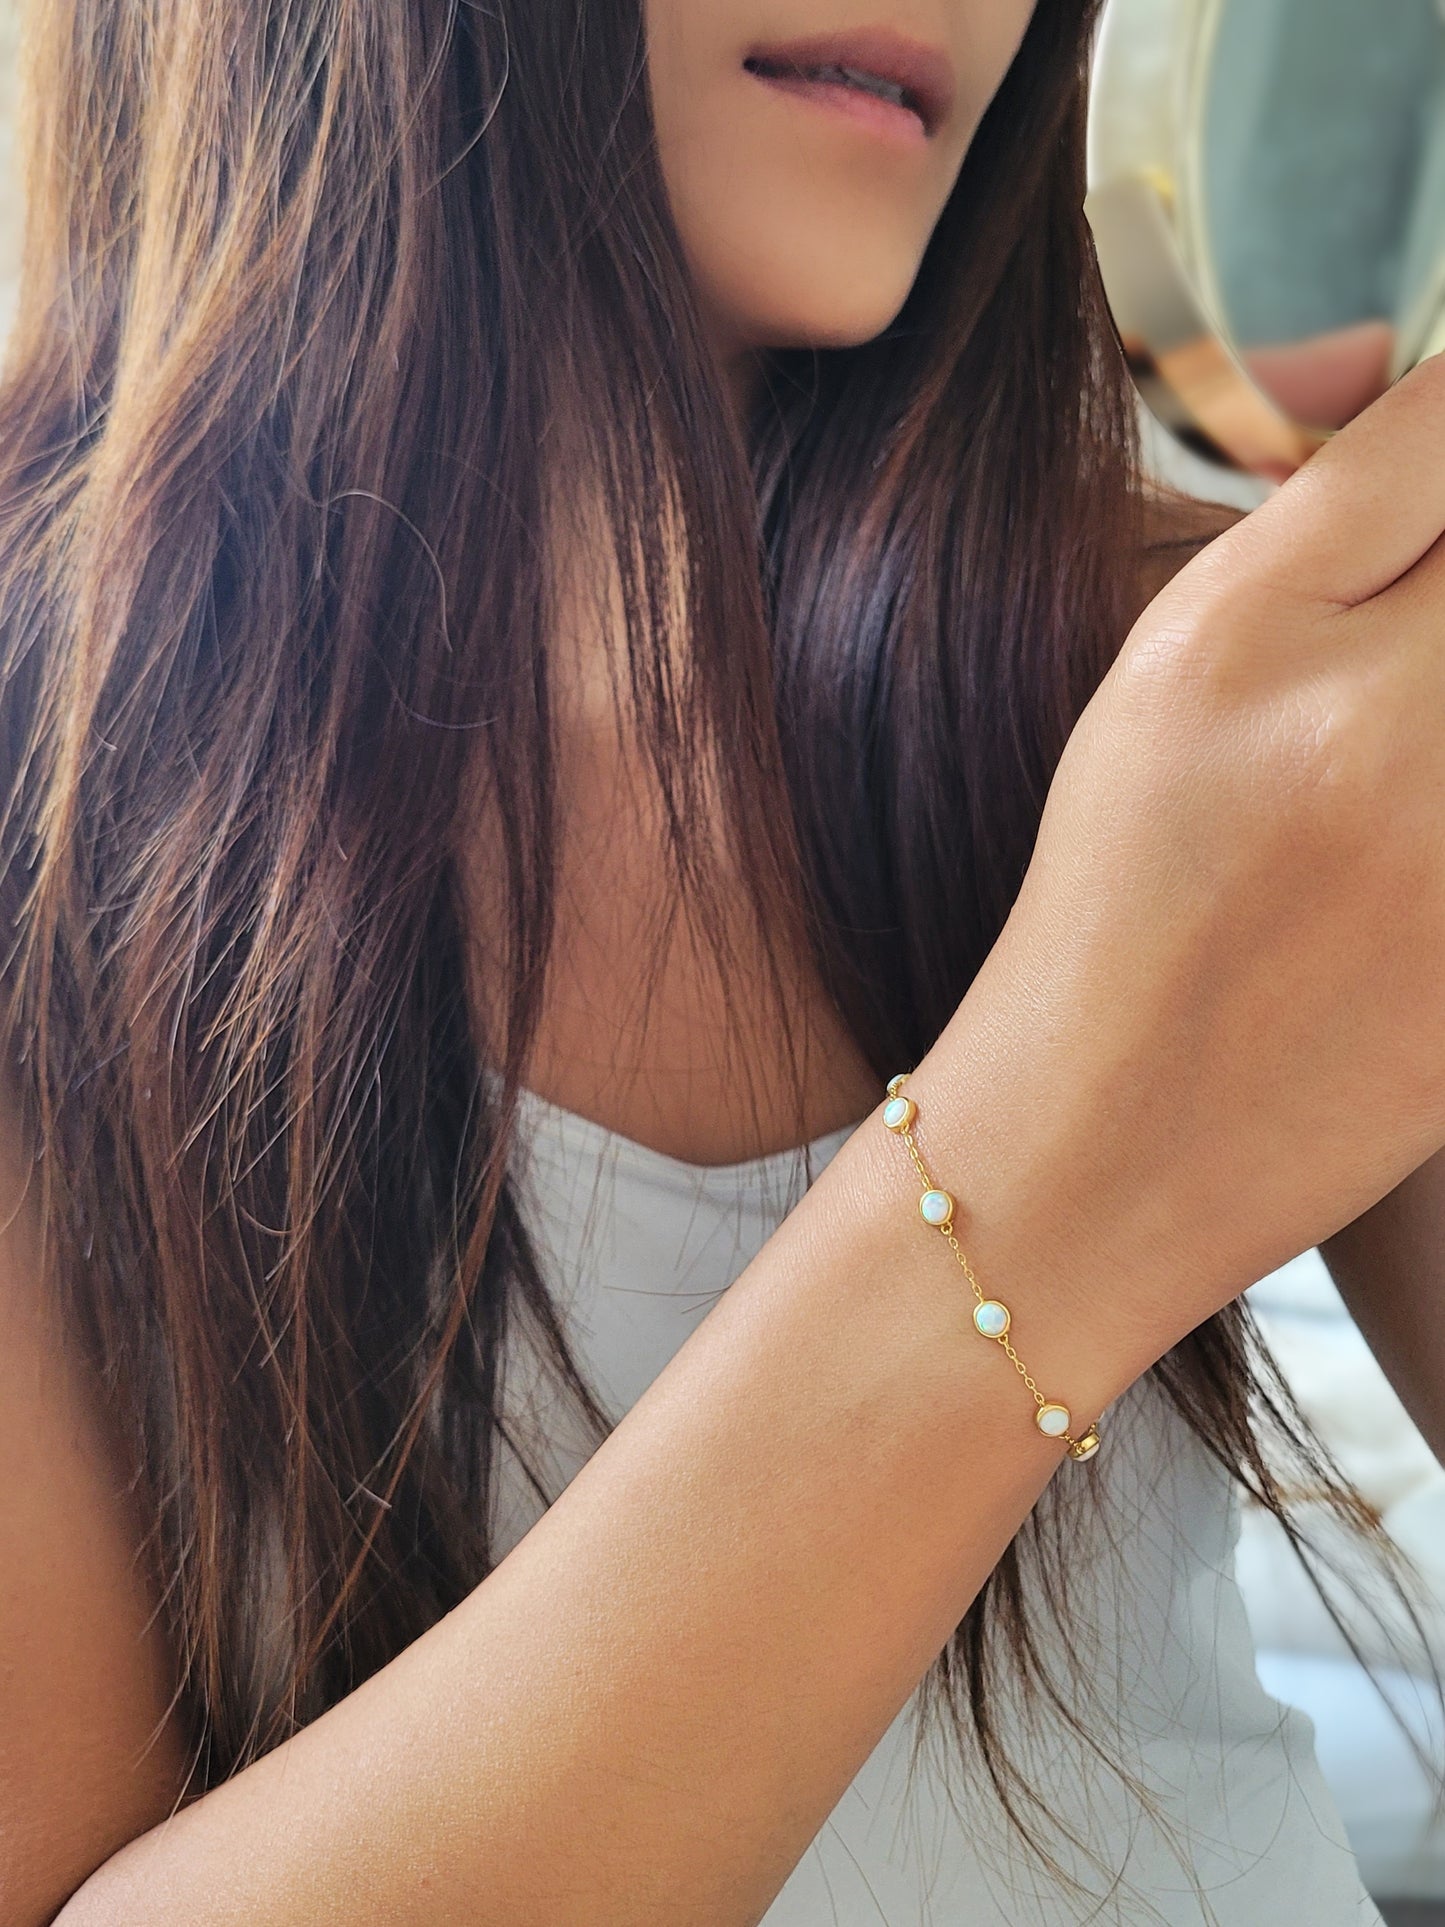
[991, 1318]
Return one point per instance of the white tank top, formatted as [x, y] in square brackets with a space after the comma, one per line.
[1226, 1818]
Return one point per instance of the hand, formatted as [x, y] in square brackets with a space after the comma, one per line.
[1216, 1014]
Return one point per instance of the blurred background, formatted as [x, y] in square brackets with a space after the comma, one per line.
[1168, 70]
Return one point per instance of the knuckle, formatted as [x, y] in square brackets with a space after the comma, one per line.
[1331, 753]
[1213, 633]
[1305, 750]
[1246, 677]
[1171, 663]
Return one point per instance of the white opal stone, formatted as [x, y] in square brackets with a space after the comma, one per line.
[896, 1111]
[1053, 1420]
[936, 1206]
[991, 1318]
[1089, 1449]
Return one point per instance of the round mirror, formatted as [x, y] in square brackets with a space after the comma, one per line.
[1267, 189]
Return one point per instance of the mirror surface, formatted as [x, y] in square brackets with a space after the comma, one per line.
[1268, 191]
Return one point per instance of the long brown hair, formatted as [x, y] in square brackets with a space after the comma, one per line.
[304, 288]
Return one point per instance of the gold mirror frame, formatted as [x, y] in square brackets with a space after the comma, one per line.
[1152, 65]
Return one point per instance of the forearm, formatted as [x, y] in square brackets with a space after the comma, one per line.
[649, 1709]
[1390, 1267]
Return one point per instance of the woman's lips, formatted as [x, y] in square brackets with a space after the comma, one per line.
[879, 77]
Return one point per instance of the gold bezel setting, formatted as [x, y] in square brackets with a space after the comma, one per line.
[992, 1319]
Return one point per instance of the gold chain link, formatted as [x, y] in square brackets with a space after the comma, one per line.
[1083, 1447]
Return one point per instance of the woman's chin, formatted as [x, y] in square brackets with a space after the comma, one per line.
[835, 332]
[815, 320]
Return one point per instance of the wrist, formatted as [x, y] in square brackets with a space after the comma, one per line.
[1086, 1263]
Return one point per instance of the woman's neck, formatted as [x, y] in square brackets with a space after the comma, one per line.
[638, 1030]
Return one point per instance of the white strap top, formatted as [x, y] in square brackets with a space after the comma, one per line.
[1223, 1817]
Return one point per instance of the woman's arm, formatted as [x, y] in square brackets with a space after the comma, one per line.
[84, 1677]
[1191, 1054]
[650, 1707]
[1390, 1267]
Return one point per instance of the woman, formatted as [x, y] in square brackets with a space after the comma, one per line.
[545, 591]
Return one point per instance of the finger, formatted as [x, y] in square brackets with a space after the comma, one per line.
[1363, 511]
[1420, 592]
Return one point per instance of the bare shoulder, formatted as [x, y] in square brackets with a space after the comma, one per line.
[87, 1758]
[1176, 528]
